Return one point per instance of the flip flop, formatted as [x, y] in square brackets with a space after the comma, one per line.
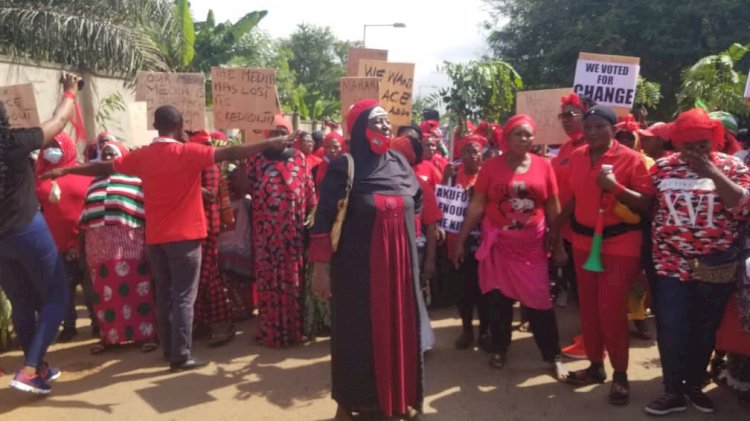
[149, 347]
[98, 349]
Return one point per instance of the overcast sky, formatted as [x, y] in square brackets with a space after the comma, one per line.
[435, 30]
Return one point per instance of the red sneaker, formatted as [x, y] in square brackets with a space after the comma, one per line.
[577, 350]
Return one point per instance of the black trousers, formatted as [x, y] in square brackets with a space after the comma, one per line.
[470, 296]
[542, 323]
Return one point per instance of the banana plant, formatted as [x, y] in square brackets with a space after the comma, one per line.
[715, 82]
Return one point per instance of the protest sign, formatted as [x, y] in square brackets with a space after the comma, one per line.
[355, 89]
[544, 106]
[184, 91]
[244, 98]
[356, 54]
[396, 86]
[609, 80]
[142, 134]
[20, 105]
[454, 202]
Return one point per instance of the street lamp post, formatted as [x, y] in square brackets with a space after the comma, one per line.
[392, 25]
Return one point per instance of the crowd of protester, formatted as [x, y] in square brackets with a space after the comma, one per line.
[321, 234]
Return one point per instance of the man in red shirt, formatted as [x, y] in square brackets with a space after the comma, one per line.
[171, 174]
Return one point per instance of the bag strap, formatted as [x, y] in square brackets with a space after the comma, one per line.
[349, 173]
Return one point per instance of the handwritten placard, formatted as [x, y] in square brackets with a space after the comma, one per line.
[396, 87]
[607, 79]
[454, 202]
[20, 105]
[544, 106]
[355, 55]
[355, 89]
[244, 98]
[185, 91]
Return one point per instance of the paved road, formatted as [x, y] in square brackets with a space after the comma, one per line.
[249, 382]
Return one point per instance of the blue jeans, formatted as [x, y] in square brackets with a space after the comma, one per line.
[687, 317]
[33, 277]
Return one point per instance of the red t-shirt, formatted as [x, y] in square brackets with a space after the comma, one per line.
[428, 173]
[629, 169]
[171, 177]
[561, 164]
[690, 217]
[516, 201]
[440, 162]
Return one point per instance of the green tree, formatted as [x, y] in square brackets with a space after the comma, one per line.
[714, 81]
[113, 37]
[480, 90]
[317, 59]
[542, 38]
[219, 44]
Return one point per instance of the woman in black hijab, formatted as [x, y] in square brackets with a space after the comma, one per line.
[374, 274]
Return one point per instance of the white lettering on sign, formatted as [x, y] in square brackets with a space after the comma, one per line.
[454, 202]
[607, 83]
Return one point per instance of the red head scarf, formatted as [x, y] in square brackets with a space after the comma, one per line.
[695, 125]
[117, 145]
[278, 121]
[428, 126]
[574, 100]
[218, 135]
[515, 121]
[335, 136]
[357, 109]
[465, 141]
[627, 123]
[69, 155]
[201, 136]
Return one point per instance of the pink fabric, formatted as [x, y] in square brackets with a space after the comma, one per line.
[394, 308]
[515, 262]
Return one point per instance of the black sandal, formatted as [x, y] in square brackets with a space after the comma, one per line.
[619, 393]
[498, 361]
[98, 349]
[585, 377]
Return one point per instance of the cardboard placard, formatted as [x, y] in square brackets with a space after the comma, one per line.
[244, 98]
[20, 105]
[356, 54]
[544, 106]
[396, 86]
[454, 202]
[185, 91]
[608, 80]
[138, 113]
[355, 89]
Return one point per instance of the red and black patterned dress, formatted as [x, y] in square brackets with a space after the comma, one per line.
[283, 194]
[212, 304]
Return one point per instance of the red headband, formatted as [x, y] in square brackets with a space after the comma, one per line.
[574, 100]
[465, 141]
[357, 109]
[513, 122]
[695, 125]
[627, 123]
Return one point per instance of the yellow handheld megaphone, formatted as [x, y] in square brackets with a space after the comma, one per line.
[594, 262]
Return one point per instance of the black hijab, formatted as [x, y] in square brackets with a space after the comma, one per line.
[388, 173]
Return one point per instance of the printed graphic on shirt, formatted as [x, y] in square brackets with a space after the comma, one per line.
[690, 219]
[516, 204]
